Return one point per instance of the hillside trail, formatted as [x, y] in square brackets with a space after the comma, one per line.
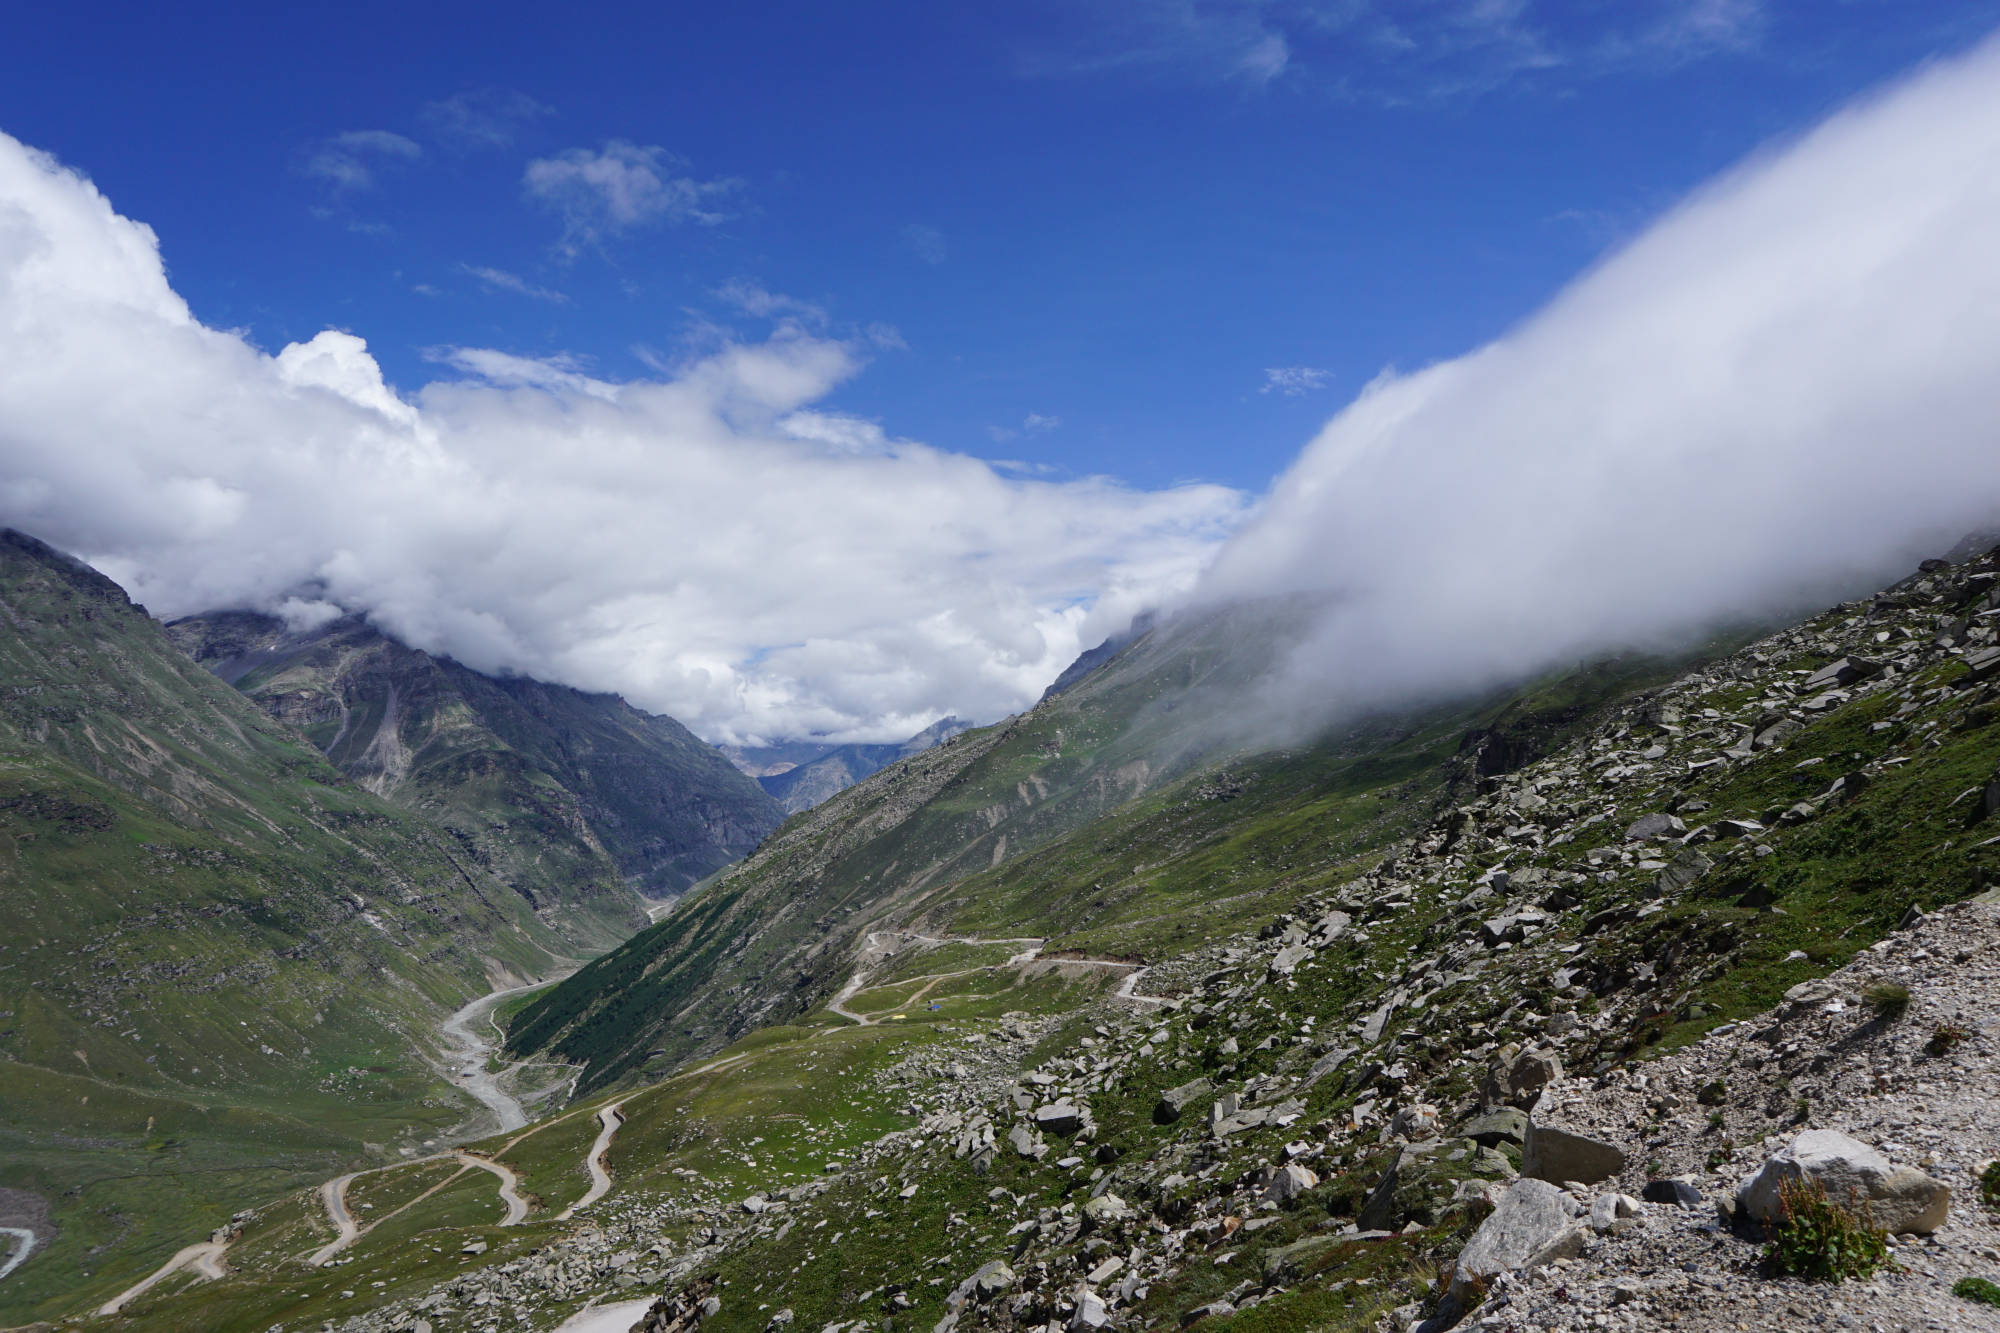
[609, 1118]
[205, 1258]
[872, 952]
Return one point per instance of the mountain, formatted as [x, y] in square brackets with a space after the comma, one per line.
[1101, 1018]
[572, 798]
[221, 961]
[818, 771]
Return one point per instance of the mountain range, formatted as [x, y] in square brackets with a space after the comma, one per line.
[1112, 1014]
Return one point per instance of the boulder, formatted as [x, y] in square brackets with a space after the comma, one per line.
[1844, 672]
[1091, 1313]
[1290, 1181]
[1516, 1077]
[1655, 825]
[1174, 1101]
[1058, 1118]
[1558, 1155]
[1288, 1263]
[1106, 1209]
[1530, 1226]
[1025, 1141]
[1677, 1192]
[1506, 1125]
[1899, 1199]
[1613, 1212]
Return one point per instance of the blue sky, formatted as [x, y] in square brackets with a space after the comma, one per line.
[1082, 236]
[813, 370]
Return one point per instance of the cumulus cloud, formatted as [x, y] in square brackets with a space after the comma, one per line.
[713, 543]
[349, 161]
[1783, 392]
[1291, 381]
[620, 187]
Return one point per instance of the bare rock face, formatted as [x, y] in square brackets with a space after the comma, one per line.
[1899, 1198]
[1557, 1155]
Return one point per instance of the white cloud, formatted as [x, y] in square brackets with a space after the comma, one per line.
[1292, 381]
[714, 543]
[483, 118]
[499, 279]
[1782, 392]
[620, 187]
[349, 161]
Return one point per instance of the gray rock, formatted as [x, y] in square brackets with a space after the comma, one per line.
[1655, 825]
[1058, 1118]
[1677, 1192]
[1684, 870]
[1558, 1155]
[1289, 1183]
[1176, 1100]
[1506, 1125]
[1516, 1078]
[1025, 1141]
[1899, 1198]
[1530, 1226]
[1091, 1313]
[1844, 672]
[1107, 1209]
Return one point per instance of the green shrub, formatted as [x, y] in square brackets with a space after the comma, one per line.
[1888, 999]
[1946, 1039]
[1976, 1289]
[1814, 1237]
[1989, 1184]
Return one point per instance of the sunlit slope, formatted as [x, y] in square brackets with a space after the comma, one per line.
[1116, 819]
[569, 797]
[215, 952]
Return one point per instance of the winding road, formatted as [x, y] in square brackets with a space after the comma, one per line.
[468, 1052]
[26, 1241]
[609, 1118]
[205, 1259]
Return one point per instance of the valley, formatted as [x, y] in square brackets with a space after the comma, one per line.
[1320, 962]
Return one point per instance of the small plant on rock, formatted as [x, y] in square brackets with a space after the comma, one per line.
[1976, 1289]
[1890, 1000]
[1946, 1039]
[1814, 1237]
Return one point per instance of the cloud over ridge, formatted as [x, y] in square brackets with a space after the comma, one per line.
[686, 541]
[1787, 387]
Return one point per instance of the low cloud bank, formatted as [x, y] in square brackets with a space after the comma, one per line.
[1786, 390]
[708, 544]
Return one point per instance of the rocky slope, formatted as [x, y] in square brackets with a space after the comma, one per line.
[569, 797]
[219, 959]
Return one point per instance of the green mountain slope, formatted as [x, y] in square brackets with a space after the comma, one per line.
[1008, 831]
[215, 951]
[567, 796]
[1362, 960]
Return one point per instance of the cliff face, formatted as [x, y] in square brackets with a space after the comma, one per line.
[569, 797]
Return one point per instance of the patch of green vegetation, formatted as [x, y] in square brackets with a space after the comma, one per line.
[1814, 1237]
[1977, 1290]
